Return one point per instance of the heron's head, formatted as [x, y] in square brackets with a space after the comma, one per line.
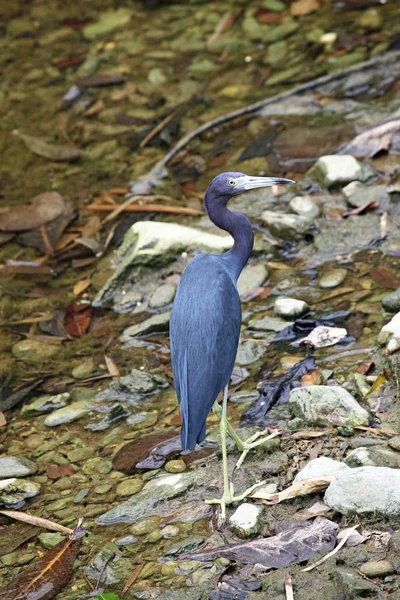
[232, 183]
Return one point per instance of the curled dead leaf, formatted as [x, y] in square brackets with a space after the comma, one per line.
[64, 153]
[300, 488]
[41, 209]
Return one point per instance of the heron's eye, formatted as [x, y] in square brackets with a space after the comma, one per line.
[231, 182]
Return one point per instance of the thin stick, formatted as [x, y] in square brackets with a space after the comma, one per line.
[37, 521]
[289, 587]
[161, 208]
[131, 200]
[161, 125]
[135, 574]
[334, 551]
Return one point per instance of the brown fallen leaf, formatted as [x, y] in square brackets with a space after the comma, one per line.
[300, 488]
[365, 367]
[45, 237]
[312, 378]
[371, 142]
[385, 277]
[15, 534]
[46, 576]
[310, 435]
[225, 23]
[3, 420]
[23, 268]
[303, 7]
[41, 209]
[112, 367]
[81, 286]
[101, 80]
[36, 521]
[65, 153]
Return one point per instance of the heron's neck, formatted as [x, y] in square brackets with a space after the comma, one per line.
[240, 229]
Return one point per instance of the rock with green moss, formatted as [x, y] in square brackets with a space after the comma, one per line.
[45, 403]
[13, 492]
[321, 404]
[108, 21]
[32, 351]
[68, 414]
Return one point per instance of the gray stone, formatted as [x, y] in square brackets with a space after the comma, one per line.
[321, 404]
[332, 278]
[249, 352]
[49, 540]
[151, 244]
[337, 170]
[288, 227]
[108, 565]
[320, 467]
[68, 414]
[391, 302]
[268, 324]
[290, 308]
[305, 206]
[377, 568]
[141, 382]
[394, 442]
[16, 466]
[390, 334]
[13, 492]
[375, 456]
[365, 490]
[190, 544]
[358, 194]
[251, 277]
[151, 325]
[350, 585]
[163, 296]
[45, 403]
[246, 520]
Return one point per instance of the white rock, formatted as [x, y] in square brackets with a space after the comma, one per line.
[390, 334]
[251, 277]
[286, 226]
[70, 413]
[320, 467]
[246, 520]
[322, 405]
[335, 170]
[365, 490]
[290, 308]
[305, 206]
[16, 466]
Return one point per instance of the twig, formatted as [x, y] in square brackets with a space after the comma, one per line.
[135, 574]
[161, 125]
[159, 169]
[161, 208]
[289, 587]
[121, 207]
[334, 551]
[37, 521]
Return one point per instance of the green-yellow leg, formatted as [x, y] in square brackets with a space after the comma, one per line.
[243, 446]
[228, 496]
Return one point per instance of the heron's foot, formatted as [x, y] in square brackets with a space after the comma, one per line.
[252, 442]
[229, 498]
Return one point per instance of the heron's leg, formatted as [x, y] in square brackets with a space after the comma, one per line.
[228, 496]
[252, 442]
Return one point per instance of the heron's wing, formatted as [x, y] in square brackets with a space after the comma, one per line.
[205, 327]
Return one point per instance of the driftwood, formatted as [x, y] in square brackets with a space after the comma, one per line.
[158, 172]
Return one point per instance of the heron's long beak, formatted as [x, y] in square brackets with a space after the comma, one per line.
[251, 183]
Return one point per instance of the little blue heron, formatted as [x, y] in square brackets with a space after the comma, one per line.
[205, 323]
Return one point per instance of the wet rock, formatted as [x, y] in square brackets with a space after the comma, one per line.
[153, 244]
[358, 194]
[145, 526]
[320, 467]
[169, 532]
[108, 21]
[175, 466]
[163, 296]
[372, 457]
[364, 490]
[70, 413]
[84, 369]
[141, 382]
[394, 442]
[268, 324]
[32, 351]
[49, 540]
[305, 206]
[348, 584]
[390, 334]
[391, 302]
[45, 403]
[16, 466]
[13, 492]
[288, 227]
[321, 404]
[251, 277]
[151, 325]
[147, 501]
[246, 520]
[143, 419]
[336, 170]
[370, 19]
[249, 352]
[290, 308]
[190, 544]
[332, 278]
[377, 568]
[107, 566]
[80, 454]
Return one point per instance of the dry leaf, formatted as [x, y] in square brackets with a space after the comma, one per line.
[112, 367]
[365, 367]
[303, 7]
[385, 278]
[37, 521]
[40, 210]
[371, 142]
[15, 534]
[81, 286]
[334, 551]
[323, 336]
[300, 488]
[310, 435]
[379, 381]
[65, 153]
[3, 420]
[313, 378]
[46, 576]
[289, 587]
[45, 237]
[224, 24]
